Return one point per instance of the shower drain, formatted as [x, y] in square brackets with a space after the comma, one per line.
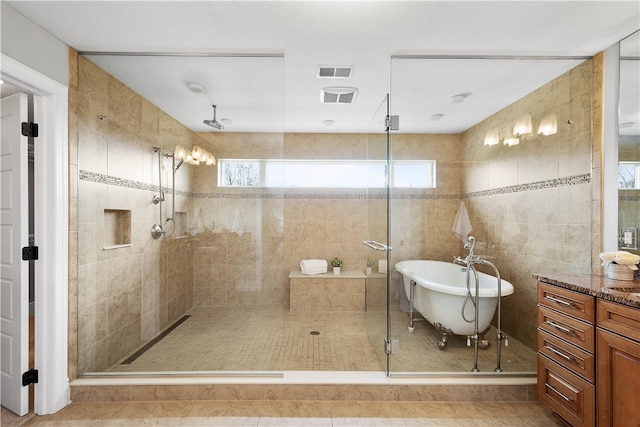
[314, 333]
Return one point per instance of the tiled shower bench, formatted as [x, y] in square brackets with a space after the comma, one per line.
[327, 292]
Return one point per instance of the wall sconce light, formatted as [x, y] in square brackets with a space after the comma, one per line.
[492, 137]
[548, 125]
[196, 156]
[511, 141]
[523, 125]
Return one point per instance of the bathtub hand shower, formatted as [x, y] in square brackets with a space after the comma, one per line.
[469, 262]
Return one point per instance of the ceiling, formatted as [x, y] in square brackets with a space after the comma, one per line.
[258, 60]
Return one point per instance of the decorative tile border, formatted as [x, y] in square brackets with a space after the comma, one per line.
[100, 178]
[346, 195]
[539, 185]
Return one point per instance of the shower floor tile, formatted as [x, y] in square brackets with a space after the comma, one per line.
[266, 339]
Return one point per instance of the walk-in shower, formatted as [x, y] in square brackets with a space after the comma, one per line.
[233, 276]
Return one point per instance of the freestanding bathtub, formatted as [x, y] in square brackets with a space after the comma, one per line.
[440, 292]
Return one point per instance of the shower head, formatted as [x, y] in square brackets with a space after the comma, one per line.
[214, 123]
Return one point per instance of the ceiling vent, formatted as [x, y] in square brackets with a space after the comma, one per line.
[335, 71]
[338, 95]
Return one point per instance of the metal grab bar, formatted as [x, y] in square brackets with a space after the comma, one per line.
[377, 246]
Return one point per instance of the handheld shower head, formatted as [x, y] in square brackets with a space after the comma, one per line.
[214, 123]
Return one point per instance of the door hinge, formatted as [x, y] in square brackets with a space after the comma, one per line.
[391, 346]
[30, 129]
[29, 253]
[30, 377]
[393, 122]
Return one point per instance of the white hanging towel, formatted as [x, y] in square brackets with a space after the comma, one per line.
[382, 266]
[462, 226]
[236, 226]
[197, 225]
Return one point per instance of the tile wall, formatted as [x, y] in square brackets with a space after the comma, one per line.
[129, 292]
[530, 204]
[283, 228]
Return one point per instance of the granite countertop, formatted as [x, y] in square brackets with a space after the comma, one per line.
[620, 291]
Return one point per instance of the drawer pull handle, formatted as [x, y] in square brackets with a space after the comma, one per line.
[552, 388]
[561, 354]
[559, 301]
[562, 328]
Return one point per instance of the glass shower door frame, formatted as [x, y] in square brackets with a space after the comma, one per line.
[380, 119]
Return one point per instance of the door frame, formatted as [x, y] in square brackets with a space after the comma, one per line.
[51, 199]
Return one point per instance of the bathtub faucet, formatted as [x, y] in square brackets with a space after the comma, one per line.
[460, 260]
[471, 258]
[471, 243]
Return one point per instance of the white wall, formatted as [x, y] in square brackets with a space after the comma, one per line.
[32, 46]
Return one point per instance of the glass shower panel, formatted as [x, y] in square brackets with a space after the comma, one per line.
[462, 113]
[208, 292]
[377, 206]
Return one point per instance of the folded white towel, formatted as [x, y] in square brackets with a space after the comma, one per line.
[382, 266]
[462, 224]
[313, 266]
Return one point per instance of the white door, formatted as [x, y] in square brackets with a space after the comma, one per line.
[14, 274]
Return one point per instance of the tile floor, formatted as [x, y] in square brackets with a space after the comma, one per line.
[264, 339]
[294, 413]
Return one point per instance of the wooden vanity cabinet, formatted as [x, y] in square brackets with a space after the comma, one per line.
[618, 364]
[566, 346]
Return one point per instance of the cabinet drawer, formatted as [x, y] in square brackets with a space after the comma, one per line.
[570, 302]
[619, 319]
[567, 394]
[568, 356]
[575, 331]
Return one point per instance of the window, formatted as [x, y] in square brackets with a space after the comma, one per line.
[325, 173]
[629, 175]
[238, 173]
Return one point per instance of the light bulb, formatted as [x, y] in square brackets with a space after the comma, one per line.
[196, 152]
[548, 125]
[180, 152]
[492, 137]
[511, 141]
[523, 125]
